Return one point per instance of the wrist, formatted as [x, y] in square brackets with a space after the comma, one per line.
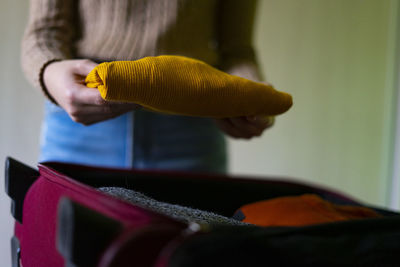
[42, 80]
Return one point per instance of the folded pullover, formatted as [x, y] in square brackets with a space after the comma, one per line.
[185, 86]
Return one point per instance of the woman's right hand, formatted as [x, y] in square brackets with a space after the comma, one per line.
[65, 82]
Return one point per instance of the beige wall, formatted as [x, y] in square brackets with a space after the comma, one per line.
[20, 110]
[334, 56]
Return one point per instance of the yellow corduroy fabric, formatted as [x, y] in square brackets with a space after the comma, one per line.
[185, 86]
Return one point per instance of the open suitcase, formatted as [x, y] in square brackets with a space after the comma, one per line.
[62, 220]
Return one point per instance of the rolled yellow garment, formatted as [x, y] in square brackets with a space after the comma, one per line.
[185, 86]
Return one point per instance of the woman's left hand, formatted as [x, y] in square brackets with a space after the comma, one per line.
[245, 127]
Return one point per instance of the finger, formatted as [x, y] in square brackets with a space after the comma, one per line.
[245, 127]
[261, 122]
[271, 121]
[124, 105]
[226, 126]
[85, 97]
[107, 108]
[92, 119]
[82, 95]
[84, 67]
[127, 104]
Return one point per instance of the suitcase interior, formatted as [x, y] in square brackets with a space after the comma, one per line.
[216, 193]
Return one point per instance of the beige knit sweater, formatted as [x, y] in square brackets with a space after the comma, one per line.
[218, 32]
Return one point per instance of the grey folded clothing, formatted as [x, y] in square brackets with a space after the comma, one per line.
[180, 213]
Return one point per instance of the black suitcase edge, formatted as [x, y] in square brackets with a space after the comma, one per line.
[18, 179]
[83, 234]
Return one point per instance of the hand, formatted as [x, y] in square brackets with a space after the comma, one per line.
[245, 127]
[65, 82]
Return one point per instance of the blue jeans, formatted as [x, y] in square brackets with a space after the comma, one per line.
[139, 139]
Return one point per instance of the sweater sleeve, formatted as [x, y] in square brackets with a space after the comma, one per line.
[47, 38]
[235, 21]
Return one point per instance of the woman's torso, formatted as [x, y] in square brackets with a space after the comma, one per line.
[128, 30]
[132, 29]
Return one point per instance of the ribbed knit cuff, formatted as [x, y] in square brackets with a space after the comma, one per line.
[41, 80]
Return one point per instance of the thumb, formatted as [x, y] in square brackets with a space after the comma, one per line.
[84, 67]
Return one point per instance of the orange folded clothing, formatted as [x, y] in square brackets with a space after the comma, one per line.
[299, 211]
